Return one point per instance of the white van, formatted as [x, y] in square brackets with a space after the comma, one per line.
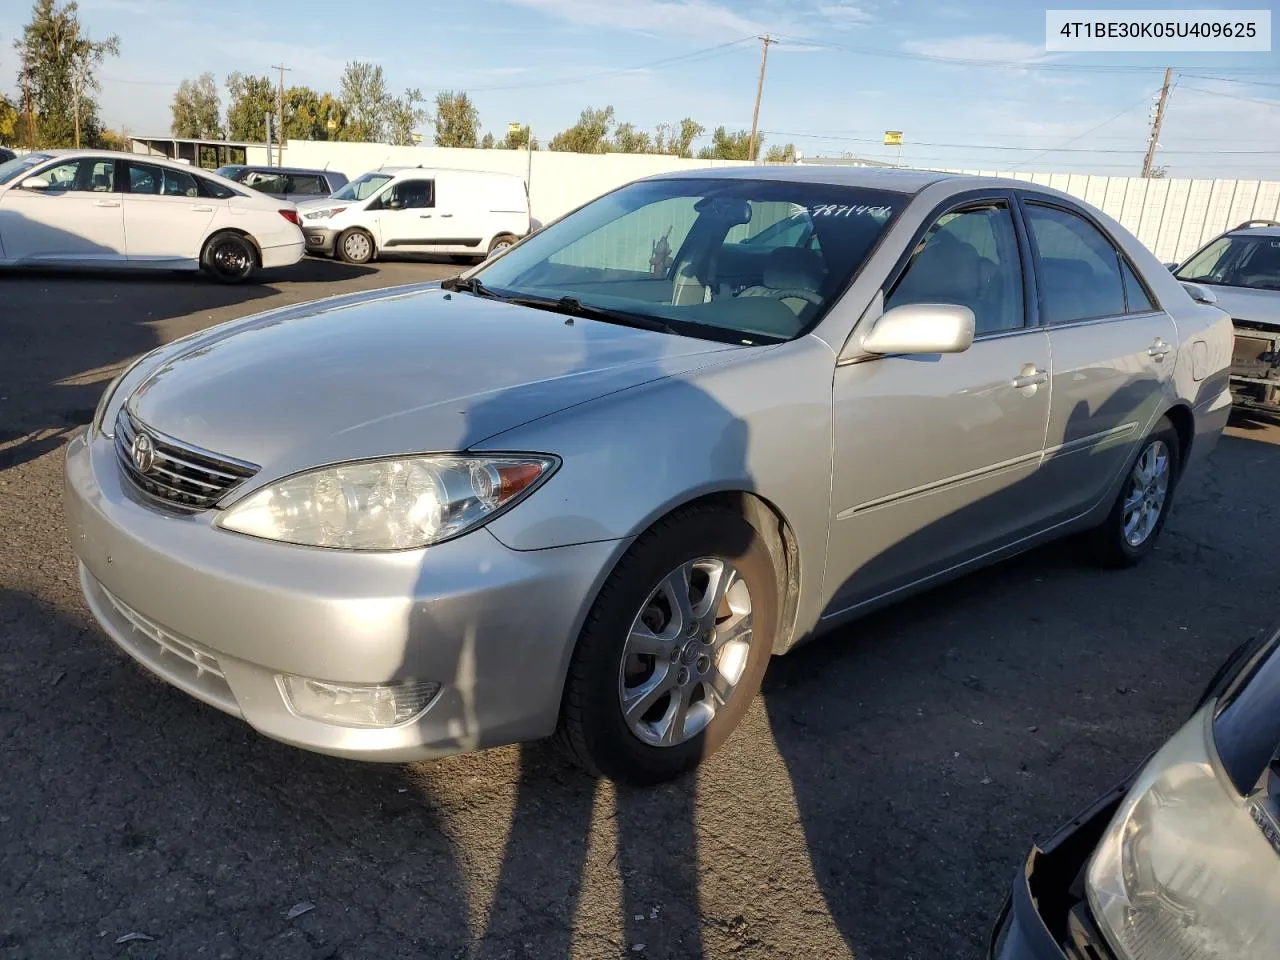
[418, 210]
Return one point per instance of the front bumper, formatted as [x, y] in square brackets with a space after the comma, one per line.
[220, 615]
[319, 239]
[1255, 368]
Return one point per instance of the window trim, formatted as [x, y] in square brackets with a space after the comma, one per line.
[957, 203]
[127, 182]
[1028, 198]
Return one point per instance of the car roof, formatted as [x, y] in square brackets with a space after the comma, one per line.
[270, 169]
[396, 171]
[1254, 232]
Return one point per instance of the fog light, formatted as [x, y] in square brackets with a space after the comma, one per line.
[357, 704]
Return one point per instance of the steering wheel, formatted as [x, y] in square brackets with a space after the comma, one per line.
[797, 293]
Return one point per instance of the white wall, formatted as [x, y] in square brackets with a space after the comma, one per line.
[1173, 218]
[560, 181]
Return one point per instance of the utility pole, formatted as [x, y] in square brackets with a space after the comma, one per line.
[1149, 163]
[26, 103]
[81, 77]
[755, 115]
[280, 125]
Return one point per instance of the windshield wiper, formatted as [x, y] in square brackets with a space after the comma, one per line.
[573, 307]
[468, 285]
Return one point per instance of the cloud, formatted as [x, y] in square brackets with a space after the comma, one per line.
[696, 17]
[843, 14]
[979, 47]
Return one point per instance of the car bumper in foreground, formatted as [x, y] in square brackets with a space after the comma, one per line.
[224, 617]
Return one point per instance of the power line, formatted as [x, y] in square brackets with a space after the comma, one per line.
[1086, 133]
[1252, 83]
[1232, 96]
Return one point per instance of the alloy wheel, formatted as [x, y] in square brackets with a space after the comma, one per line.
[1146, 493]
[686, 652]
[231, 259]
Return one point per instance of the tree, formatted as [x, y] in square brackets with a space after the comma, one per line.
[197, 109]
[8, 121]
[58, 64]
[488, 142]
[729, 146]
[518, 139]
[1160, 173]
[589, 135]
[404, 116]
[252, 100]
[364, 97]
[457, 120]
[627, 139]
[785, 154]
[677, 139]
[312, 116]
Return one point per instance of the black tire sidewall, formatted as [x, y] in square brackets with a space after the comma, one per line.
[219, 240]
[341, 246]
[611, 748]
[499, 241]
[1118, 549]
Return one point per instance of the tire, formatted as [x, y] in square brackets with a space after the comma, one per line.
[1116, 543]
[355, 246]
[607, 668]
[500, 243]
[229, 258]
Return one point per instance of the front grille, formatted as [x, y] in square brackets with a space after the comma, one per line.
[174, 472]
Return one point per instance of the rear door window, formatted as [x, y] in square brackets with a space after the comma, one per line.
[305, 184]
[145, 178]
[1080, 275]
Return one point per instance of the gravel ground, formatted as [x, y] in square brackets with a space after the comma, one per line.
[875, 804]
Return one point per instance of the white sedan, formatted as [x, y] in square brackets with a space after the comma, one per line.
[99, 208]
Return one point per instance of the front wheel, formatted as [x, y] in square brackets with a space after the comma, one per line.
[674, 649]
[229, 258]
[1138, 515]
[355, 246]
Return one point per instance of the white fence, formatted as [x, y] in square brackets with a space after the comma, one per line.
[1172, 217]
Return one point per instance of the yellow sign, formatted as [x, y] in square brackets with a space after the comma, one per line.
[331, 125]
[893, 138]
[417, 138]
[514, 129]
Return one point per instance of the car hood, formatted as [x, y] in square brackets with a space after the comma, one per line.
[1243, 303]
[415, 371]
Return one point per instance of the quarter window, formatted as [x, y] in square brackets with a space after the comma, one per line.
[307, 185]
[970, 258]
[1135, 294]
[1079, 268]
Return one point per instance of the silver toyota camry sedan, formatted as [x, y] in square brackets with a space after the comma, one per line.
[588, 488]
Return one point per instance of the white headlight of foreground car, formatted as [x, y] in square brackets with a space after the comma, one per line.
[387, 504]
[1184, 871]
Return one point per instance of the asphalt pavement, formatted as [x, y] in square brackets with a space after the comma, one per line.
[875, 804]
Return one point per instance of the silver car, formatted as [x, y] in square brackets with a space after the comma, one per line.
[590, 487]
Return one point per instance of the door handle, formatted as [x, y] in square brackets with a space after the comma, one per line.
[1030, 377]
[446, 214]
[106, 203]
[424, 216]
[201, 208]
[1158, 350]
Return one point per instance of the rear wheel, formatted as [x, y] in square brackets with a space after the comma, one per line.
[355, 246]
[674, 649]
[229, 258]
[1138, 515]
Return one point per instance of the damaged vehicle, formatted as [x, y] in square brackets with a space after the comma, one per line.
[1243, 269]
[1182, 859]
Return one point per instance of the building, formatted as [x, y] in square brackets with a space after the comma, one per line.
[209, 154]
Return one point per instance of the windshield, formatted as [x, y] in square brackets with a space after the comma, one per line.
[19, 165]
[754, 261]
[1239, 261]
[362, 188]
[229, 171]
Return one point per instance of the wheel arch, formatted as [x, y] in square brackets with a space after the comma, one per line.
[236, 231]
[1184, 424]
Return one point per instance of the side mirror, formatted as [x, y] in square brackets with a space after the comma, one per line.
[395, 203]
[1200, 294]
[1171, 267]
[36, 183]
[916, 328]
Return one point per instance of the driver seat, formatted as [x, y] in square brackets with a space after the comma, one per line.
[790, 268]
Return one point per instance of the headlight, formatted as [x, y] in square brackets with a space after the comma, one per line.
[1184, 871]
[323, 214]
[388, 504]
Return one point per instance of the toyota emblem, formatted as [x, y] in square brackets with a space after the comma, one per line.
[143, 453]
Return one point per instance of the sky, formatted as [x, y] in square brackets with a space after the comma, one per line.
[842, 73]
